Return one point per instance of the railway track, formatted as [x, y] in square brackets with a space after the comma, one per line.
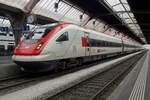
[14, 83]
[12, 77]
[94, 88]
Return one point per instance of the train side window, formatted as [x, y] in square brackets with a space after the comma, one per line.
[3, 34]
[2, 47]
[11, 35]
[63, 37]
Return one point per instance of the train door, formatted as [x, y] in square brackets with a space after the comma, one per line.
[87, 47]
[62, 43]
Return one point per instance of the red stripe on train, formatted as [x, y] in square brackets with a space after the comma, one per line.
[84, 42]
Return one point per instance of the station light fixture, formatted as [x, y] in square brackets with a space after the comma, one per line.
[56, 5]
[81, 17]
[94, 22]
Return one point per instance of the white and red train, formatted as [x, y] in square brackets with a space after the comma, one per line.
[63, 44]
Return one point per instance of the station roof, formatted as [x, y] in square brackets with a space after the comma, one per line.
[4, 22]
[100, 9]
[141, 10]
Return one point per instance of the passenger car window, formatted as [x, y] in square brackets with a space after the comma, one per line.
[2, 47]
[3, 34]
[11, 35]
[63, 37]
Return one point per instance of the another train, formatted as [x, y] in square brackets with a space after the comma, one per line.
[60, 45]
[7, 43]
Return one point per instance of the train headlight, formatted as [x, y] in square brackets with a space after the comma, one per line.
[39, 46]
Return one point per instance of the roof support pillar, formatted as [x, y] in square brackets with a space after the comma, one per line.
[17, 22]
[30, 5]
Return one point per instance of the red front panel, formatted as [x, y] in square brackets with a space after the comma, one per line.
[31, 49]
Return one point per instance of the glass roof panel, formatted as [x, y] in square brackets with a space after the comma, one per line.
[131, 25]
[125, 15]
[69, 13]
[65, 12]
[15, 3]
[74, 14]
[128, 21]
[4, 23]
[127, 7]
[122, 8]
[124, 1]
[63, 8]
[42, 4]
[113, 2]
[131, 14]
[134, 20]
[50, 11]
[119, 8]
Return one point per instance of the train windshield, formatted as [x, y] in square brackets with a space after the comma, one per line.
[38, 33]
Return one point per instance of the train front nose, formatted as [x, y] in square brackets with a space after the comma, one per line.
[30, 59]
[30, 52]
[28, 49]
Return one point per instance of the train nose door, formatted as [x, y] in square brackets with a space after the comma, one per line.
[87, 48]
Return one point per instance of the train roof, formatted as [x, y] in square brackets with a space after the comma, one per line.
[80, 28]
[47, 25]
[94, 32]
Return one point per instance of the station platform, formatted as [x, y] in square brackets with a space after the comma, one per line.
[136, 85]
[8, 67]
[6, 60]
